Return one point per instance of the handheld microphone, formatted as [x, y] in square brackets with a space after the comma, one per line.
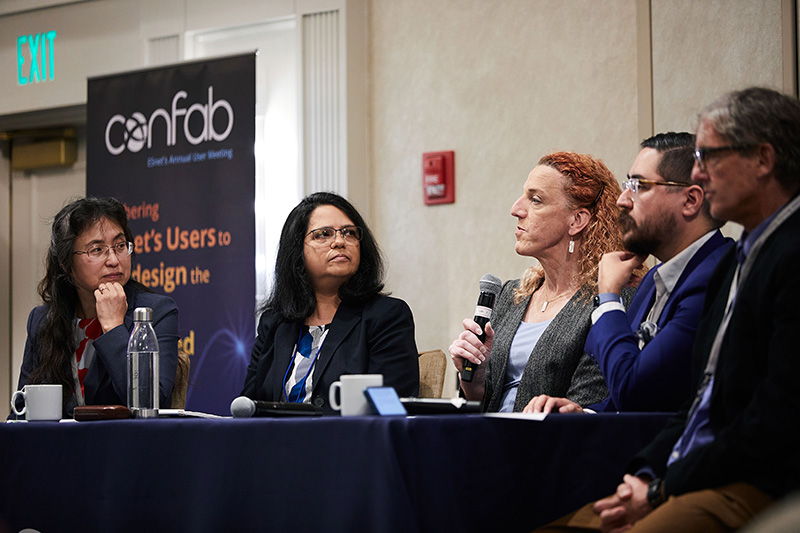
[244, 407]
[490, 288]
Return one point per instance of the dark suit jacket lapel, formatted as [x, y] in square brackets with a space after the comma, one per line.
[92, 380]
[342, 324]
[285, 340]
[716, 240]
[708, 247]
[644, 299]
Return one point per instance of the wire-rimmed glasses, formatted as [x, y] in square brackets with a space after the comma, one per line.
[98, 252]
[350, 234]
[633, 184]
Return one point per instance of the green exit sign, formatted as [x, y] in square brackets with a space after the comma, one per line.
[35, 63]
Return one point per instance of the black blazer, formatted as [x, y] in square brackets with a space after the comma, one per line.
[373, 338]
[755, 403]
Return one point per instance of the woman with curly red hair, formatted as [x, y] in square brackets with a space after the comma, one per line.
[567, 219]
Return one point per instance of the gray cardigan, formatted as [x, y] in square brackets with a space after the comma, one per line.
[558, 365]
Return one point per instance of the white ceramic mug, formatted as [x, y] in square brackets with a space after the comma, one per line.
[351, 389]
[42, 402]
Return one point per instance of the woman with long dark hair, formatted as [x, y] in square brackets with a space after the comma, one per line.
[566, 220]
[327, 315]
[79, 337]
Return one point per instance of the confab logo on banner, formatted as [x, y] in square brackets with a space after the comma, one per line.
[165, 142]
[136, 131]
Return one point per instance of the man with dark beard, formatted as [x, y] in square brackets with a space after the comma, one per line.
[645, 353]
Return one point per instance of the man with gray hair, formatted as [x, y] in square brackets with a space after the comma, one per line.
[735, 449]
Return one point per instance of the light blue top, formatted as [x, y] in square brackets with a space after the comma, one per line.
[525, 339]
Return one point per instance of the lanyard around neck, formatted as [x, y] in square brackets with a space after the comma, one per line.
[294, 356]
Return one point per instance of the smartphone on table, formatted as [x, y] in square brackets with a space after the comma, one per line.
[384, 401]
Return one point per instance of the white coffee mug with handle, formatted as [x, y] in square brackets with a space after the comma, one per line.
[350, 388]
[42, 402]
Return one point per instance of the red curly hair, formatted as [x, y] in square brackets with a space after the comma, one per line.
[591, 185]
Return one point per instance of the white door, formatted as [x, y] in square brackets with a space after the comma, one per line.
[35, 197]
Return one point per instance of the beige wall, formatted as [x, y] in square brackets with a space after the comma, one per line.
[701, 49]
[37, 197]
[503, 82]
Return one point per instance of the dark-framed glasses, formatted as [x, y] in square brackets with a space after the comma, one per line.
[633, 184]
[98, 252]
[350, 234]
[701, 154]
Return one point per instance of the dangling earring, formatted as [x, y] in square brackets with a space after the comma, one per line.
[571, 245]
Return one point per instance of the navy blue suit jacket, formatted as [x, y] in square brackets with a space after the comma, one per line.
[658, 377]
[374, 338]
[106, 383]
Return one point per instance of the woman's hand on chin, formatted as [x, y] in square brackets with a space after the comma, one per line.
[111, 304]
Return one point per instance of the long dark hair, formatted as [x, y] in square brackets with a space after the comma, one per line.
[56, 334]
[292, 293]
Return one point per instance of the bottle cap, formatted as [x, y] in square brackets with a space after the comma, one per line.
[142, 314]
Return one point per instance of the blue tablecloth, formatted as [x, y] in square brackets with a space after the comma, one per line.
[428, 473]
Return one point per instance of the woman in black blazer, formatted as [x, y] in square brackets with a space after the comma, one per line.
[78, 338]
[326, 315]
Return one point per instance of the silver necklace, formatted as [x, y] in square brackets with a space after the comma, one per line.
[547, 302]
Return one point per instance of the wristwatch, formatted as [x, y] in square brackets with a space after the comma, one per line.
[600, 299]
[655, 493]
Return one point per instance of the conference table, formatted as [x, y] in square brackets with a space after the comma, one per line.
[425, 473]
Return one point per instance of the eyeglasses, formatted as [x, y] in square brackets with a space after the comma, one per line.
[701, 154]
[98, 252]
[351, 234]
[632, 184]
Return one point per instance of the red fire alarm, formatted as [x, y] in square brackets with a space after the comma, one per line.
[438, 183]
